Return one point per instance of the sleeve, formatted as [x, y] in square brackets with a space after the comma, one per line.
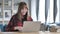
[10, 26]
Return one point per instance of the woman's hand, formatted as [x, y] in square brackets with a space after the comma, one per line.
[18, 28]
[29, 18]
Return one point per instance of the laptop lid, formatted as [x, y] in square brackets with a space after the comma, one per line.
[30, 26]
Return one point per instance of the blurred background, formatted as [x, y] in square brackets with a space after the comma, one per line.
[46, 11]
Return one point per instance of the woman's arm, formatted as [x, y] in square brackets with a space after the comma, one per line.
[14, 25]
[10, 26]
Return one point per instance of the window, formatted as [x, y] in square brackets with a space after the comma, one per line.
[33, 10]
[41, 14]
[50, 12]
[57, 17]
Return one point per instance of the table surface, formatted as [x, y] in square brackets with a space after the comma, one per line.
[29, 32]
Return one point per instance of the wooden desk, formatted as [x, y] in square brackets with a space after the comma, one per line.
[19, 32]
[29, 32]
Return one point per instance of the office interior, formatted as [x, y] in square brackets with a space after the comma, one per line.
[46, 11]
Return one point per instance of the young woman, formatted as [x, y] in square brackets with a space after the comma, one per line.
[16, 22]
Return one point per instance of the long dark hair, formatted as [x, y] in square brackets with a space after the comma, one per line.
[21, 6]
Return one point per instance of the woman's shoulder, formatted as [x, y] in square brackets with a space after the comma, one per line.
[14, 16]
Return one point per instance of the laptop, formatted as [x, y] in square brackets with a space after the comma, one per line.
[31, 26]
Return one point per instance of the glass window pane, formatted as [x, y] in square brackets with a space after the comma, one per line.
[50, 12]
[41, 16]
[33, 10]
[57, 17]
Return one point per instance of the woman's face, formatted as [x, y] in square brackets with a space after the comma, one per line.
[24, 10]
